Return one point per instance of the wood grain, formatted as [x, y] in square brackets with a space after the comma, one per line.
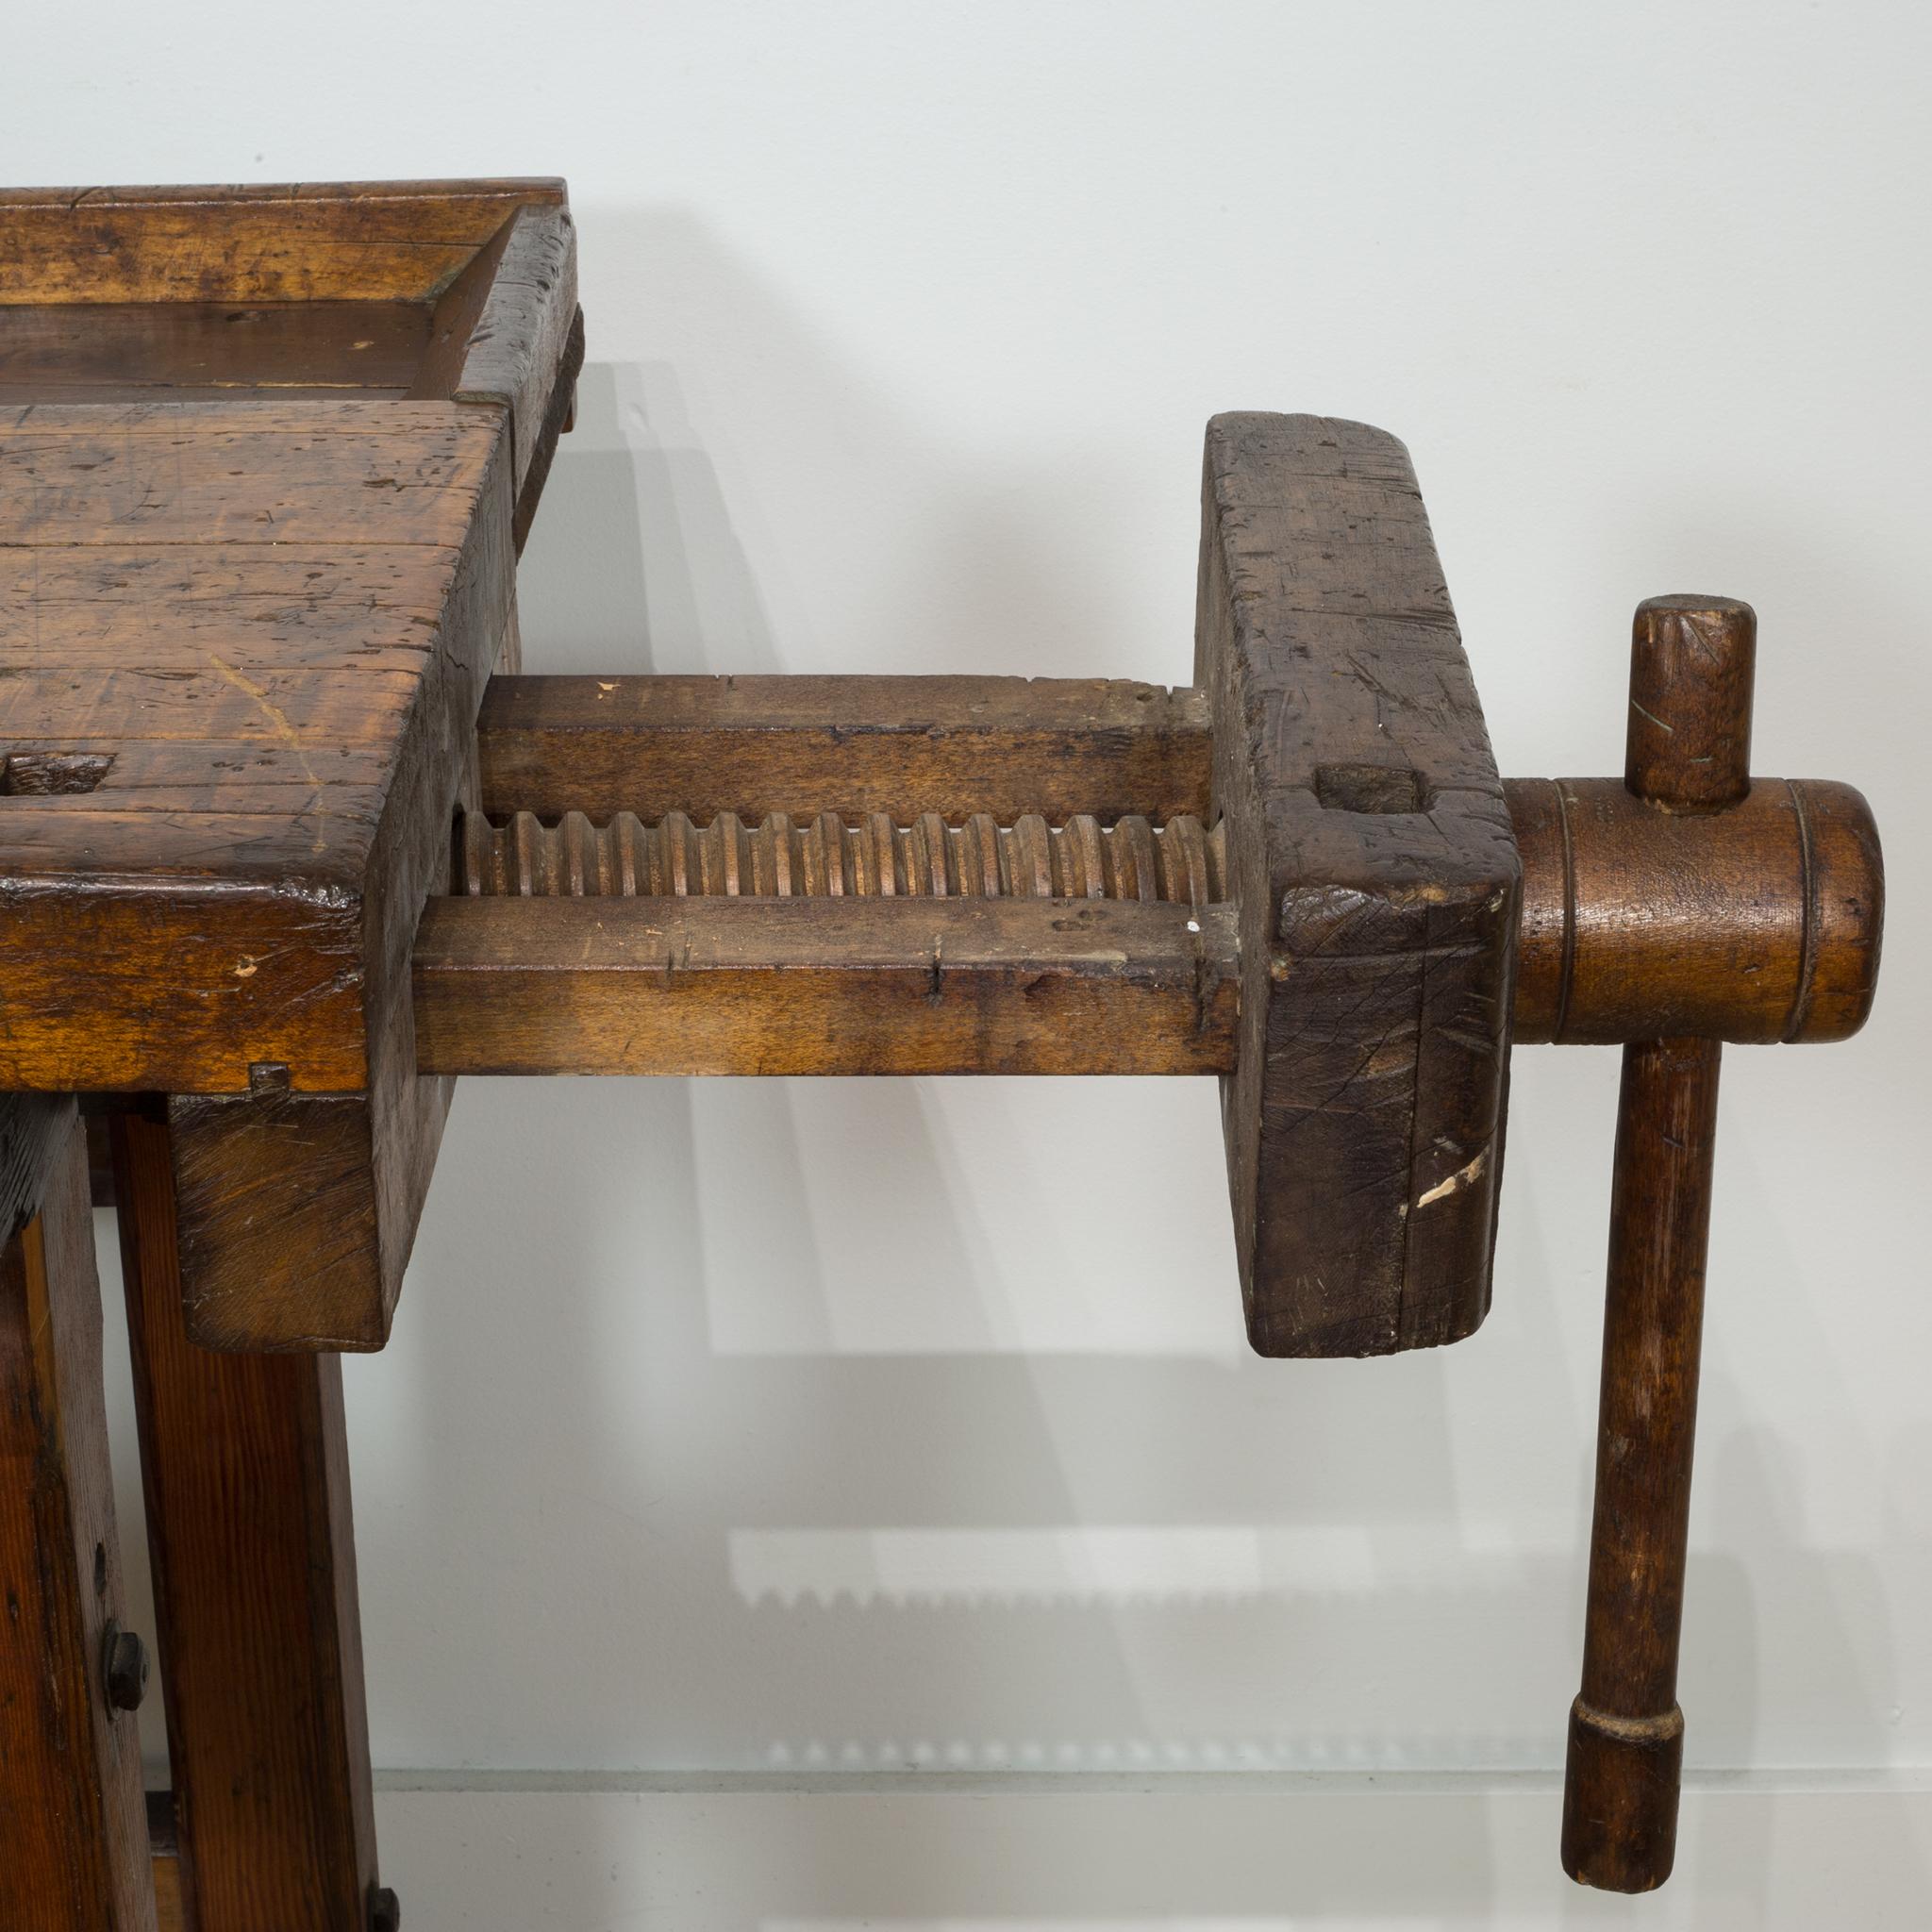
[752, 745]
[824, 986]
[163, 610]
[559, 415]
[246, 1476]
[334, 706]
[1377, 876]
[390, 241]
[356, 472]
[458, 311]
[32, 1130]
[516, 349]
[186, 777]
[106, 352]
[74, 1848]
[287, 1240]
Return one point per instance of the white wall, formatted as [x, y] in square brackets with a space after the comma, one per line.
[791, 1426]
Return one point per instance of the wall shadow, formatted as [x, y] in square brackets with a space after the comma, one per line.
[589, 1420]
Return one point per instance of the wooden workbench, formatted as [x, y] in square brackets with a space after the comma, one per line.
[287, 844]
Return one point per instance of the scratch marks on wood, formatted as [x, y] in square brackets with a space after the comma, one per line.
[1462, 1177]
[285, 730]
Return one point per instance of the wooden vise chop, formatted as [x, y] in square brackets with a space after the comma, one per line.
[279, 856]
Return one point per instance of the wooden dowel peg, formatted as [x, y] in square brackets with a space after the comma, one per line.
[1692, 665]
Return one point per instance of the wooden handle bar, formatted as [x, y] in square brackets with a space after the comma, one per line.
[1689, 740]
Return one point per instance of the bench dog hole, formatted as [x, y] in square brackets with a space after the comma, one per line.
[1380, 788]
[50, 774]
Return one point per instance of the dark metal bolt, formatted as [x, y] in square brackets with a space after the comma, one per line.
[124, 1668]
[385, 1913]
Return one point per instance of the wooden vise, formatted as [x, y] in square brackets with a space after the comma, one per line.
[286, 843]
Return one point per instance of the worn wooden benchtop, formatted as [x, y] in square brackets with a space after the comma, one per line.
[266, 458]
[229, 633]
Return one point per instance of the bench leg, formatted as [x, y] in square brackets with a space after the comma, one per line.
[246, 1475]
[73, 1845]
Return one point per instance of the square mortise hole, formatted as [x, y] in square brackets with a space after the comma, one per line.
[49, 774]
[1383, 789]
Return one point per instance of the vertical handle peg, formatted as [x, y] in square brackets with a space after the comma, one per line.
[1688, 750]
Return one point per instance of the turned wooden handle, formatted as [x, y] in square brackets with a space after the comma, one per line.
[1688, 751]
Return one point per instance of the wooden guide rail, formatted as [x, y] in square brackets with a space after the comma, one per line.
[824, 986]
[752, 745]
[903, 911]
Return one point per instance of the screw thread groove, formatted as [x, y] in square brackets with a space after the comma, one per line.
[829, 856]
